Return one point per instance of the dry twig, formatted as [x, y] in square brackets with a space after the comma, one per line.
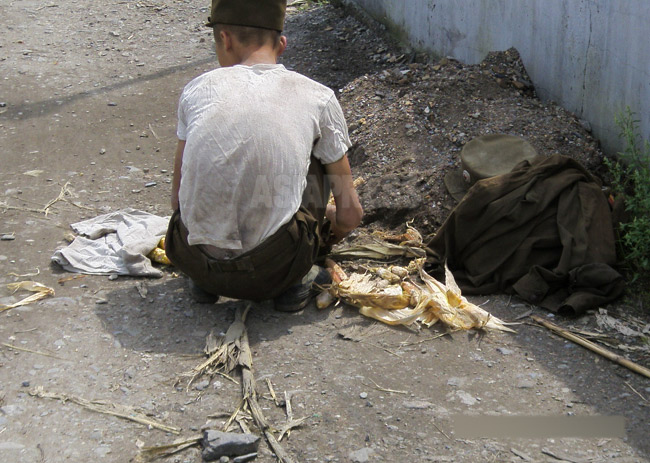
[245, 361]
[100, 406]
[31, 351]
[593, 347]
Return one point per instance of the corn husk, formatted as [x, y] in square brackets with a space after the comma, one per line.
[411, 237]
[401, 300]
[40, 291]
[380, 250]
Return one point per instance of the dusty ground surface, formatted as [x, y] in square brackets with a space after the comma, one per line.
[89, 93]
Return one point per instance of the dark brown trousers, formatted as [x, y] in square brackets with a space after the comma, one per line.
[269, 269]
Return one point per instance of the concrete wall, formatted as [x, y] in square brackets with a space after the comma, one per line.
[590, 56]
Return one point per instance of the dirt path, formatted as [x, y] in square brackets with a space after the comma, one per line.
[88, 99]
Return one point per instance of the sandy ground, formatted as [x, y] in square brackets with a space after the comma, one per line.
[88, 100]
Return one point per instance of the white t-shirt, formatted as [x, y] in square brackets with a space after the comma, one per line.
[250, 131]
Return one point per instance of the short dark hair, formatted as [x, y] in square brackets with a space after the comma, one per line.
[247, 35]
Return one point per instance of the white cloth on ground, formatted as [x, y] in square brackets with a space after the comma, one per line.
[114, 243]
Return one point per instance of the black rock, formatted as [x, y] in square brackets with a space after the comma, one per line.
[217, 444]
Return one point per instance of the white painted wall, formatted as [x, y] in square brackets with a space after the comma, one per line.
[590, 56]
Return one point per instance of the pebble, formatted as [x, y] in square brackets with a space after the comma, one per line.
[150, 184]
[418, 405]
[101, 301]
[25, 384]
[3, 104]
[363, 395]
[505, 351]
[526, 384]
[203, 385]
[362, 455]
[102, 151]
[8, 237]
[113, 276]
[112, 103]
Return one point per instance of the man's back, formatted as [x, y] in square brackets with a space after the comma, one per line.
[249, 134]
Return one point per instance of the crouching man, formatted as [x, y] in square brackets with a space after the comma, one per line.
[260, 148]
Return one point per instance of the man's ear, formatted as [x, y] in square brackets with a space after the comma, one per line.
[282, 45]
[226, 39]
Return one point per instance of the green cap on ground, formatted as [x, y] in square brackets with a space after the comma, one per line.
[485, 157]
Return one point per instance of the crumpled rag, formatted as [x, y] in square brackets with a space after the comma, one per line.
[114, 243]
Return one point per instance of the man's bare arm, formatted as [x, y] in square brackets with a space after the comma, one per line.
[347, 213]
[176, 179]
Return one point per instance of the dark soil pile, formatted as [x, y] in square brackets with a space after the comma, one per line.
[409, 115]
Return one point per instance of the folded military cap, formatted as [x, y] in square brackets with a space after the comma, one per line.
[265, 14]
[485, 157]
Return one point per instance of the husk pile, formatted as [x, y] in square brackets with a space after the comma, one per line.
[403, 295]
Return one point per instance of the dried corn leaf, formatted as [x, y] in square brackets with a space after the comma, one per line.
[380, 251]
[409, 302]
[453, 309]
[411, 237]
[222, 351]
[149, 454]
[40, 291]
[108, 408]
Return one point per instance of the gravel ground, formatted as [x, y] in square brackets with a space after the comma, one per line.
[87, 109]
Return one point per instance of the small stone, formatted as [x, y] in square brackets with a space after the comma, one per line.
[25, 384]
[363, 395]
[150, 184]
[505, 351]
[418, 405]
[362, 455]
[224, 459]
[3, 104]
[113, 277]
[8, 237]
[101, 301]
[203, 385]
[112, 103]
[526, 384]
[102, 151]
[217, 444]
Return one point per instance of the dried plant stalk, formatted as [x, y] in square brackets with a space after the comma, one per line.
[100, 406]
[148, 454]
[245, 361]
[40, 292]
[593, 347]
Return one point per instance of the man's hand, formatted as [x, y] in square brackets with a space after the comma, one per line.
[347, 212]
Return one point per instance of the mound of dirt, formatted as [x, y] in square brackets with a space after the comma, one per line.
[409, 115]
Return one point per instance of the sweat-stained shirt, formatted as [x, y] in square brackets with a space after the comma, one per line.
[250, 132]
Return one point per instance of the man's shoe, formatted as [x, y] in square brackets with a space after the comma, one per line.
[296, 297]
[201, 296]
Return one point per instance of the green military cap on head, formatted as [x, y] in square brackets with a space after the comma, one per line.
[265, 14]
